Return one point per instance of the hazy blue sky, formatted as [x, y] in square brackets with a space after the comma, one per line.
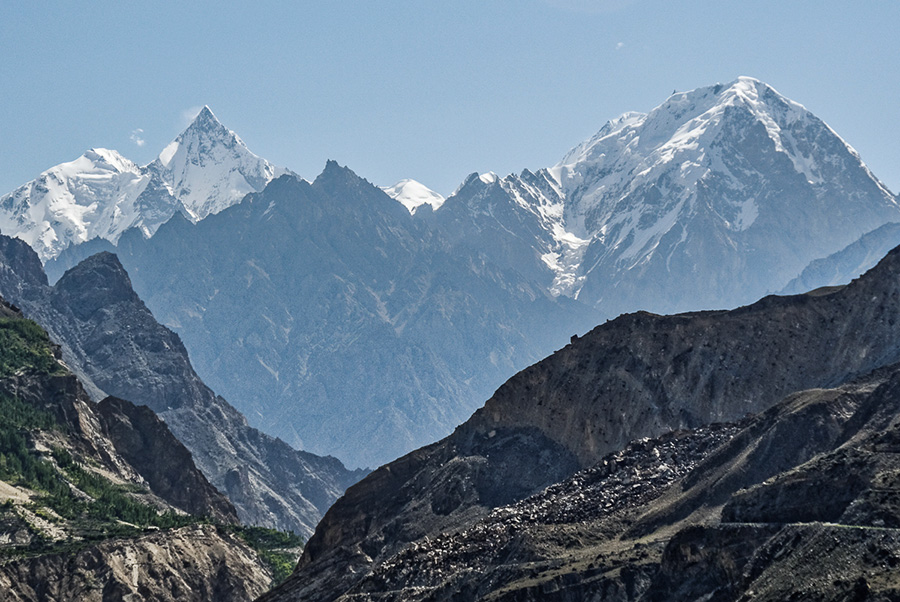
[427, 90]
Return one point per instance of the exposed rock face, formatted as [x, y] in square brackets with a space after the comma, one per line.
[90, 492]
[145, 442]
[127, 441]
[512, 220]
[112, 342]
[637, 376]
[191, 563]
[720, 512]
[839, 465]
[530, 538]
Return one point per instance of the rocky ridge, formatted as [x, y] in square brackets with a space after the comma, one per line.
[191, 563]
[637, 376]
[796, 502]
[106, 433]
[604, 496]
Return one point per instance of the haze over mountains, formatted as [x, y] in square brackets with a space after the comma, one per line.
[411, 311]
[115, 346]
[306, 294]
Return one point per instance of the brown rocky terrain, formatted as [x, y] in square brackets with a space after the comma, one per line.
[126, 443]
[191, 563]
[638, 376]
[797, 501]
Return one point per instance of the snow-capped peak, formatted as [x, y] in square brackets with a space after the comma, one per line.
[724, 159]
[489, 177]
[101, 194]
[412, 195]
[710, 175]
[94, 195]
[685, 116]
[106, 158]
[680, 134]
[209, 168]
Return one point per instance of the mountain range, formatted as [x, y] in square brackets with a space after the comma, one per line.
[308, 293]
[102, 194]
[716, 197]
[598, 472]
[717, 454]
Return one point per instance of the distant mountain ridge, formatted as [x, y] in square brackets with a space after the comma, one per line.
[337, 320]
[716, 197]
[848, 263]
[101, 194]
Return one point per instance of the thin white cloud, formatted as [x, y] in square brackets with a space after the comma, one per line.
[189, 114]
[137, 138]
[620, 45]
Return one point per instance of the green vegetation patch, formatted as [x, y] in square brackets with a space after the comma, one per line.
[111, 502]
[91, 520]
[25, 346]
[275, 548]
[19, 464]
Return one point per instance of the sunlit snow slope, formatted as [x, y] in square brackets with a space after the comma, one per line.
[102, 194]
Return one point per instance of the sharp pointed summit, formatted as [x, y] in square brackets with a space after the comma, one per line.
[206, 116]
[209, 168]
